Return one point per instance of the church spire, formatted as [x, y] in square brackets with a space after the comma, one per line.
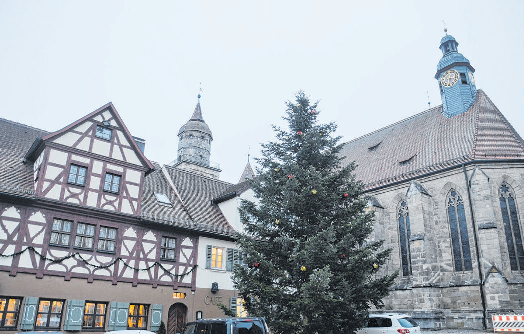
[455, 76]
[194, 145]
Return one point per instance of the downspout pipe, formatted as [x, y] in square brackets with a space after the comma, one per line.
[477, 250]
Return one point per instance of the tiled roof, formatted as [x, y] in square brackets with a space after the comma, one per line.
[196, 123]
[196, 192]
[16, 178]
[429, 142]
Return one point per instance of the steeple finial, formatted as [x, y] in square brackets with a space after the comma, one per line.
[445, 28]
[199, 91]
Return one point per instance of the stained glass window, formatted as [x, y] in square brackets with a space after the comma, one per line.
[511, 227]
[404, 231]
[459, 232]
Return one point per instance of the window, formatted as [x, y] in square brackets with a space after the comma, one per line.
[404, 232]
[61, 232]
[77, 175]
[463, 78]
[162, 198]
[459, 232]
[237, 305]
[9, 311]
[85, 234]
[511, 227]
[137, 316]
[216, 257]
[179, 295]
[167, 249]
[112, 183]
[49, 313]
[103, 132]
[94, 315]
[234, 256]
[107, 239]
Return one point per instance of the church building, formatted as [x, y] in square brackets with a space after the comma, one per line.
[447, 188]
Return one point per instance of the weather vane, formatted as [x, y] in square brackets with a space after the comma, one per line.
[445, 28]
[429, 102]
[199, 90]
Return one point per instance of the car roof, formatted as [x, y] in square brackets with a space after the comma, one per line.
[389, 315]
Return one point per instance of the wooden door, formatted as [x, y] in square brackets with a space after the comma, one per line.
[176, 318]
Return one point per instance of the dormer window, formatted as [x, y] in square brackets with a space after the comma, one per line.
[162, 198]
[103, 132]
[406, 162]
[373, 148]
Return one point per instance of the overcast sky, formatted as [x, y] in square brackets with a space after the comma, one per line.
[370, 63]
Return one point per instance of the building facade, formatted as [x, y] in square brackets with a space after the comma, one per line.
[447, 189]
[95, 237]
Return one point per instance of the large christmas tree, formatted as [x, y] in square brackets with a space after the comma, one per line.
[308, 264]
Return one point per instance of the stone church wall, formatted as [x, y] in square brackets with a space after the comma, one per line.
[435, 293]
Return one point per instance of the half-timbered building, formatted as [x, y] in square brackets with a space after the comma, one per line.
[95, 237]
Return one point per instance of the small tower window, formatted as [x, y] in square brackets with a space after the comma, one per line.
[463, 78]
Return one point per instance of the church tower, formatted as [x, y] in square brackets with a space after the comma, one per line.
[194, 146]
[455, 77]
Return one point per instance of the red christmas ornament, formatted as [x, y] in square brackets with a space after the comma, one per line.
[299, 133]
[256, 264]
[346, 195]
[313, 111]
[342, 256]
[289, 176]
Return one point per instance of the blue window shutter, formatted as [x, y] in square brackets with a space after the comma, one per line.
[208, 256]
[74, 315]
[230, 259]
[118, 313]
[156, 317]
[233, 304]
[28, 317]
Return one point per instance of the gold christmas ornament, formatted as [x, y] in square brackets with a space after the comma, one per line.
[375, 265]
[277, 221]
[303, 268]
[313, 192]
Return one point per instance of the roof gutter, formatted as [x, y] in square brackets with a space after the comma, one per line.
[443, 170]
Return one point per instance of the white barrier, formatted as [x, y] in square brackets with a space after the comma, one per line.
[508, 323]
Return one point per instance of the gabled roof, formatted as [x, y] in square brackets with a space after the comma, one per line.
[429, 142]
[111, 108]
[16, 177]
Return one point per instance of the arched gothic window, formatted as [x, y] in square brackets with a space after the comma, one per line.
[459, 232]
[511, 227]
[404, 232]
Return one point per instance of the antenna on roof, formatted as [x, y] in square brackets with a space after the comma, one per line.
[199, 90]
[429, 102]
[445, 28]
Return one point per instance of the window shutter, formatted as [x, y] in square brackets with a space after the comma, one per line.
[28, 318]
[233, 304]
[230, 259]
[208, 256]
[118, 313]
[74, 315]
[156, 317]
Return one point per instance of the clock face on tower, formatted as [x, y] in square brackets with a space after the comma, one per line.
[449, 78]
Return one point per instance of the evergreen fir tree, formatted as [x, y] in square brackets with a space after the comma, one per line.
[308, 264]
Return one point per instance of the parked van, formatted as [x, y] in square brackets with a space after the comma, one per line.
[227, 326]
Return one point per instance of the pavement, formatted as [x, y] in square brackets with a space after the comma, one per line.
[457, 331]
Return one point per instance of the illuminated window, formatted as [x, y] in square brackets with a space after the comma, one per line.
[85, 234]
[179, 295]
[167, 249]
[94, 315]
[511, 227]
[107, 239]
[102, 132]
[237, 305]
[61, 232]
[112, 183]
[216, 257]
[77, 175]
[9, 311]
[49, 313]
[137, 316]
[459, 232]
